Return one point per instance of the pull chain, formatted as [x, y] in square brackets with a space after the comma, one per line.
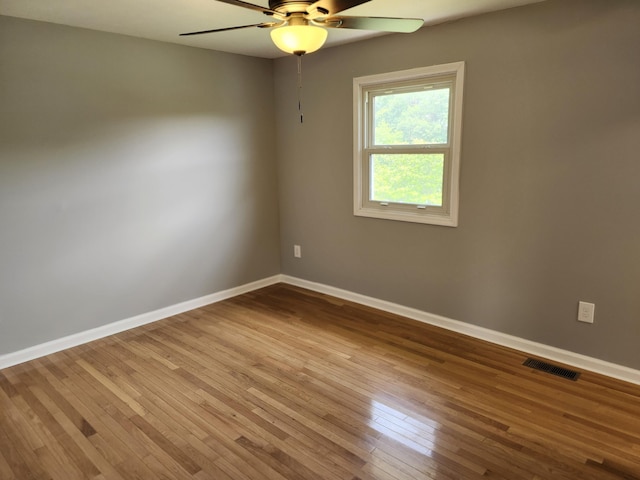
[300, 88]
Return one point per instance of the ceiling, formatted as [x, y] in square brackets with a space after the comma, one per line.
[164, 19]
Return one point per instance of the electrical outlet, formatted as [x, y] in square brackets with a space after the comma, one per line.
[586, 312]
[297, 251]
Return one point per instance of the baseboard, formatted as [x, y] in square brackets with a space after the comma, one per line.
[533, 348]
[80, 338]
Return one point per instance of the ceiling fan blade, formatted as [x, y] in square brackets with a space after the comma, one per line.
[250, 6]
[259, 25]
[335, 6]
[383, 24]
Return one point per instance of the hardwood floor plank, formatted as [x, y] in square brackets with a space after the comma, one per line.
[12, 413]
[287, 384]
[22, 461]
[160, 439]
[5, 468]
[331, 456]
[112, 387]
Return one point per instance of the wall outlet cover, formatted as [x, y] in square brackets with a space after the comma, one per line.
[586, 312]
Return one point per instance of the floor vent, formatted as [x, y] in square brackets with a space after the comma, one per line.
[552, 369]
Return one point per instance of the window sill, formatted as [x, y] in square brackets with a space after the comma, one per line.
[444, 220]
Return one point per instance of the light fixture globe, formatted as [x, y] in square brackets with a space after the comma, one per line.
[299, 39]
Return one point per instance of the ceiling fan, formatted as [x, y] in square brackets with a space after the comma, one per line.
[298, 26]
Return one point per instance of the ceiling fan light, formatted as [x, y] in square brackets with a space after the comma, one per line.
[299, 39]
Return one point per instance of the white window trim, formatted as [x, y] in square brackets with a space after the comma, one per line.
[448, 217]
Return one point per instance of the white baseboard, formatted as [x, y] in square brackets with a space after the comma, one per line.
[564, 356]
[80, 338]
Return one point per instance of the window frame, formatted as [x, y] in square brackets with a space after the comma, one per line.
[368, 86]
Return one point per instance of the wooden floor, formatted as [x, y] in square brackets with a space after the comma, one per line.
[283, 383]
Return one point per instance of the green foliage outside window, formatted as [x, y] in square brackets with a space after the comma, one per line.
[410, 118]
[407, 178]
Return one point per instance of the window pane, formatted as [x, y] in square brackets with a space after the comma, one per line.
[412, 118]
[407, 178]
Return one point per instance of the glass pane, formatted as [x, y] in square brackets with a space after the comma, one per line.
[407, 178]
[413, 118]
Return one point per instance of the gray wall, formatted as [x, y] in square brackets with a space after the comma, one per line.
[133, 175]
[550, 177]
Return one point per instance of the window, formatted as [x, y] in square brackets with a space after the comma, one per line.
[407, 128]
